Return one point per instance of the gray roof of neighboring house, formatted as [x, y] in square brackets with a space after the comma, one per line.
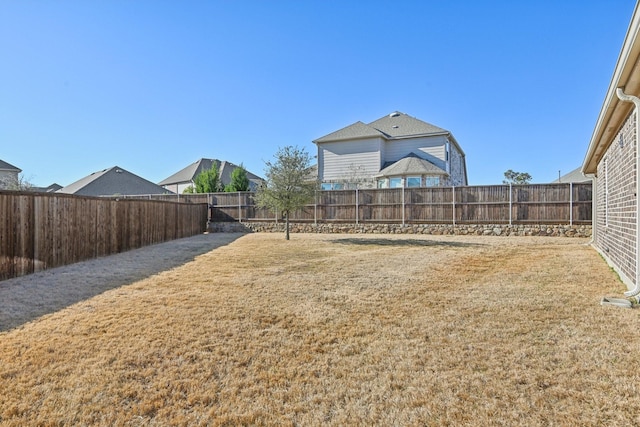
[188, 174]
[398, 125]
[111, 182]
[50, 189]
[411, 164]
[575, 175]
[394, 125]
[7, 166]
[356, 130]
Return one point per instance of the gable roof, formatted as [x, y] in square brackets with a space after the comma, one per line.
[391, 126]
[50, 189]
[111, 182]
[614, 112]
[354, 131]
[189, 173]
[575, 175]
[8, 167]
[412, 164]
[398, 125]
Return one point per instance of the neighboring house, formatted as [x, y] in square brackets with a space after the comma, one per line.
[114, 181]
[9, 179]
[184, 178]
[575, 176]
[394, 151]
[613, 160]
[50, 189]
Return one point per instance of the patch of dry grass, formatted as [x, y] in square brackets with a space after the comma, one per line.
[338, 330]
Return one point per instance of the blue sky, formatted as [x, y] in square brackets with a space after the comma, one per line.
[154, 85]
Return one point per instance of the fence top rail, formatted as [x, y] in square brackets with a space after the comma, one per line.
[343, 191]
[125, 199]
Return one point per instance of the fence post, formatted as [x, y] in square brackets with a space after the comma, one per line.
[210, 203]
[239, 206]
[510, 203]
[315, 207]
[571, 203]
[403, 204]
[453, 199]
[357, 206]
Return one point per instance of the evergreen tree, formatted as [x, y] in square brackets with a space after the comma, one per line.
[207, 181]
[239, 180]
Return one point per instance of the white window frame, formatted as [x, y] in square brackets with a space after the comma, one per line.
[413, 178]
[429, 179]
[395, 179]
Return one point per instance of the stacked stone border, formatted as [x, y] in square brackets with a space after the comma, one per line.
[432, 229]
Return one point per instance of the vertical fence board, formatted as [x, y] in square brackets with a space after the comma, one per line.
[39, 230]
[488, 204]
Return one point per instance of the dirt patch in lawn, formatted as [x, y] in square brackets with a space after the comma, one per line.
[328, 330]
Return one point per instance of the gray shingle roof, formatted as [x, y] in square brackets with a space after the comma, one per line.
[189, 173]
[575, 175]
[50, 189]
[397, 125]
[356, 130]
[111, 182]
[9, 167]
[412, 164]
[394, 125]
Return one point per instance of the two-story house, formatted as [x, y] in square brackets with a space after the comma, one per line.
[396, 150]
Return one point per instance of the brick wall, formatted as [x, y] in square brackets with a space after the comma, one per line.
[458, 177]
[616, 201]
[8, 180]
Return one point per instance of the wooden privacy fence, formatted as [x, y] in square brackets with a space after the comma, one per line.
[40, 230]
[568, 203]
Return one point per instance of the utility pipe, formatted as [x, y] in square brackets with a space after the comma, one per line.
[630, 98]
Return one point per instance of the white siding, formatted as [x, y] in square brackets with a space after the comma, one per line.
[177, 188]
[339, 158]
[431, 148]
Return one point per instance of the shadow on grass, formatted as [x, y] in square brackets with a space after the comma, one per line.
[404, 242]
[23, 299]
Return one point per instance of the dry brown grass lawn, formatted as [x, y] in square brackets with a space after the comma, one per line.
[339, 330]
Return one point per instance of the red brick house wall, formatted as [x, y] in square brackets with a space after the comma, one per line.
[615, 221]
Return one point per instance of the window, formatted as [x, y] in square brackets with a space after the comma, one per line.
[395, 182]
[432, 181]
[414, 181]
[383, 183]
[331, 186]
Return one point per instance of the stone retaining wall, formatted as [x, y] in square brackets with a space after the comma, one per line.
[435, 229]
